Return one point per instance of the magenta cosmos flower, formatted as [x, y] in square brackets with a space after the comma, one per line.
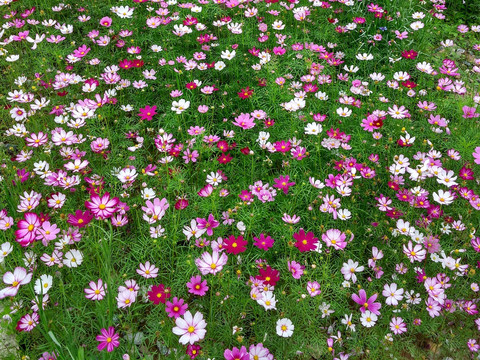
[27, 229]
[148, 112]
[106, 21]
[191, 328]
[80, 218]
[283, 183]
[305, 242]
[237, 354]
[263, 242]
[176, 307]
[108, 339]
[196, 286]
[209, 224]
[367, 304]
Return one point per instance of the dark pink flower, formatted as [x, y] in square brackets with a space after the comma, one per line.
[147, 112]
[367, 304]
[108, 339]
[196, 286]
[176, 307]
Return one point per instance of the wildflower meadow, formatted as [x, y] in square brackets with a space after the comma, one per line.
[240, 179]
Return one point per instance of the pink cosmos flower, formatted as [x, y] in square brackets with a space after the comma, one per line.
[190, 328]
[106, 21]
[398, 326]
[313, 288]
[130, 285]
[414, 253]
[473, 345]
[245, 121]
[36, 140]
[102, 207]
[96, 291]
[81, 51]
[196, 286]
[476, 155]
[176, 307]
[98, 145]
[367, 304]
[427, 106]
[148, 271]
[47, 232]
[335, 238]
[349, 269]
[6, 222]
[392, 294]
[28, 322]
[126, 298]
[211, 263]
[296, 269]
[291, 219]
[259, 352]
[208, 224]
[433, 307]
[155, 211]
[108, 339]
[202, 109]
[15, 279]
[206, 191]
[27, 229]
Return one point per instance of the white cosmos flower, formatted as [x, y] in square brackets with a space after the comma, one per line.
[417, 25]
[321, 96]
[127, 175]
[364, 56]
[148, 194]
[278, 25]
[313, 129]
[344, 112]
[220, 65]
[12, 58]
[43, 284]
[443, 197]
[180, 106]
[368, 319]
[73, 258]
[285, 327]
[228, 55]
[214, 179]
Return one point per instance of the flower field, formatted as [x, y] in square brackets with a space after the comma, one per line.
[240, 180]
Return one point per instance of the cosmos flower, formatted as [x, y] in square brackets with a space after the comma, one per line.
[190, 328]
[108, 339]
